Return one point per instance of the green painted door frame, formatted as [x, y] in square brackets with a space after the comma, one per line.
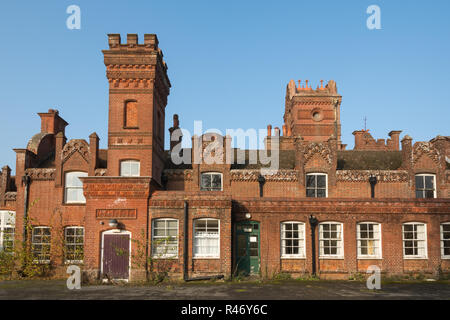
[247, 248]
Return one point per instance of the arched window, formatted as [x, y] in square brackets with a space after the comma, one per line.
[292, 239]
[414, 240]
[40, 244]
[130, 168]
[425, 186]
[165, 238]
[331, 244]
[74, 244]
[131, 114]
[73, 187]
[206, 238]
[445, 240]
[211, 181]
[316, 185]
[7, 228]
[368, 235]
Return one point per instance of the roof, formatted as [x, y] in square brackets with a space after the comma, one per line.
[287, 160]
[369, 160]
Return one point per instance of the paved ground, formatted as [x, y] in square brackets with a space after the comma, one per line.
[278, 290]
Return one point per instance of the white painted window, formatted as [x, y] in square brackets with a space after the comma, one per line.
[368, 235]
[73, 187]
[206, 238]
[211, 181]
[292, 239]
[445, 240]
[7, 229]
[40, 241]
[165, 238]
[331, 243]
[74, 244]
[316, 185]
[415, 240]
[425, 186]
[130, 168]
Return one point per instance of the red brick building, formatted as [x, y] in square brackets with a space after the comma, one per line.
[326, 210]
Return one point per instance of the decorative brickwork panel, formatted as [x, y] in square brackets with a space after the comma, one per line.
[116, 213]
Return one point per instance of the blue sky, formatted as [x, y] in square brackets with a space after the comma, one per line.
[229, 63]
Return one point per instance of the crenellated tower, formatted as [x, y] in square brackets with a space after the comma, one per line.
[313, 114]
[138, 91]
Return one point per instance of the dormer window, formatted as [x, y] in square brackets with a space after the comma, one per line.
[73, 188]
[425, 186]
[316, 185]
[211, 181]
[130, 168]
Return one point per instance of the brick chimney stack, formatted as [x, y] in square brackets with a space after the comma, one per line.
[52, 123]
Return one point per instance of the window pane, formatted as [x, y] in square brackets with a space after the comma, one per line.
[310, 193]
[216, 181]
[429, 194]
[419, 182]
[206, 181]
[321, 193]
[311, 181]
[420, 194]
[429, 182]
[321, 181]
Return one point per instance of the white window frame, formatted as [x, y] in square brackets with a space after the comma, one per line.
[212, 173]
[77, 174]
[129, 162]
[33, 243]
[340, 240]
[443, 256]
[425, 241]
[206, 236]
[377, 240]
[74, 244]
[316, 174]
[7, 221]
[434, 184]
[301, 239]
[164, 238]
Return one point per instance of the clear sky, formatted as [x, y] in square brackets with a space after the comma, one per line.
[229, 63]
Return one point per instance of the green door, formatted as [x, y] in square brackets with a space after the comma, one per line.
[247, 256]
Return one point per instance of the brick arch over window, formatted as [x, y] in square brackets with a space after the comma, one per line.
[130, 114]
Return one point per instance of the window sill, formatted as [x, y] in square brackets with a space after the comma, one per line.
[445, 258]
[331, 257]
[74, 262]
[370, 258]
[293, 258]
[415, 258]
[206, 258]
[74, 204]
[166, 258]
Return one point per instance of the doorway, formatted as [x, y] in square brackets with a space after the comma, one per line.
[116, 255]
[247, 248]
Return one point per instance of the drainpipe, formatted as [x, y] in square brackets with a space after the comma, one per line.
[185, 244]
[313, 223]
[261, 181]
[373, 181]
[26, 181]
